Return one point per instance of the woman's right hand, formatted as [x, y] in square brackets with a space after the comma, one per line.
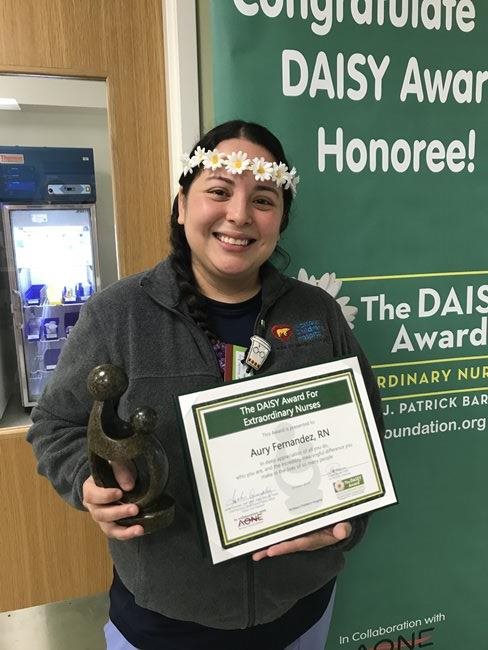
[100, 503]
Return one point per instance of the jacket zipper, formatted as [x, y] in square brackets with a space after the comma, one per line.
[259, 330]
[260, 324]
[251, 600]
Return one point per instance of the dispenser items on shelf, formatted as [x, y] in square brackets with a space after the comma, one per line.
[69, 294]
[84, 291]
[51, 357]
[33, 328]
[70, 319]
[35, 294]
[51, 328]
[54, 271]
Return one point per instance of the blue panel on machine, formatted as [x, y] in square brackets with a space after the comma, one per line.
[46, 175]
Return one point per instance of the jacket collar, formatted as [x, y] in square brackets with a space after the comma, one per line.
[160, 283]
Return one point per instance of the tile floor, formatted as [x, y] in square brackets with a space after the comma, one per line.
[69, 625]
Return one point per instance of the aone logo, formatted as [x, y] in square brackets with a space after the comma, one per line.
[413, 641]
[250, 519]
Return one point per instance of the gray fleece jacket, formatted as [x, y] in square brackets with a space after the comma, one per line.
[138, 324]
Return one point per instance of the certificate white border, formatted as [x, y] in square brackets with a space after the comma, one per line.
[283, 388]
[237, 389]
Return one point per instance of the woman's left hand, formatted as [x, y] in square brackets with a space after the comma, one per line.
[311, 542]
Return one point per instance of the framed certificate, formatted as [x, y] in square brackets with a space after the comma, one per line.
[279, 456]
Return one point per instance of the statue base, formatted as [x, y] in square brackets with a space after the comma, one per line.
[158, 515]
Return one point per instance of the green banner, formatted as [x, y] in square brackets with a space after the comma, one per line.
[382, 107]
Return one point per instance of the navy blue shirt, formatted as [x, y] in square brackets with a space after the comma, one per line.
[233, 322]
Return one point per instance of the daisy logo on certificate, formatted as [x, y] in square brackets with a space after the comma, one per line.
[329, 283]
[339, 486]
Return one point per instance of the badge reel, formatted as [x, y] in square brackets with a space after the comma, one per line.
[258, 353]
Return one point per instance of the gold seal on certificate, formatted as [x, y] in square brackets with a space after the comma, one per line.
[282, 455]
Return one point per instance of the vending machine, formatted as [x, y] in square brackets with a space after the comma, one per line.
[48, 208]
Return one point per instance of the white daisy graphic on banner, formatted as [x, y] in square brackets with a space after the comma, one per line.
[329, 283]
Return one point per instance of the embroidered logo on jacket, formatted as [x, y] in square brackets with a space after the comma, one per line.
[282, 332]
[309, 330]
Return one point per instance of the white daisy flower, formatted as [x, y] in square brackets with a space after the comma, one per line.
[261, 169]
[198, 156]
[294, 183]
[237, 163]
[213, 160]
[187, 164]
[290, 178]
[329, 283]
[279, 173]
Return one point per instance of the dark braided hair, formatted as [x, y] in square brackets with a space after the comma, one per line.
[181, 253]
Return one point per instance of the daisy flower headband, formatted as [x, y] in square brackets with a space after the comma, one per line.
[238, 162]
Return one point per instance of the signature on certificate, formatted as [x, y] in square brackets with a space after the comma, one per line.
[242, 497]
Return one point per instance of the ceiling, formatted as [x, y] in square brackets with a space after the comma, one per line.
[53, 91]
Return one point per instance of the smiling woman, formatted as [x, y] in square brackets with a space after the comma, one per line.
[177, 329]
[232, 224]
